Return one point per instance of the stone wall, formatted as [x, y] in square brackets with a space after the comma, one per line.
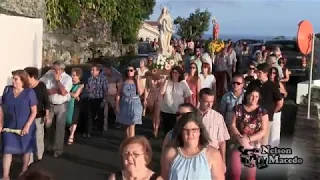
[90, 38]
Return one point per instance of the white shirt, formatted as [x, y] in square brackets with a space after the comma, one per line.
[207, 82]
[49, 80]
[174, 96]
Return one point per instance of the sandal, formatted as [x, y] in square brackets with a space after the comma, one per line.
[70, 141]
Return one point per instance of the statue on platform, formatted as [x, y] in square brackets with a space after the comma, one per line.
[166, 30]
[216, 29]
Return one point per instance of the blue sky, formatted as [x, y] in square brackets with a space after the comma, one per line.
[250, 17]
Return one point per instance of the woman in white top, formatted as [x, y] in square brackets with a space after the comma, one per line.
[174, 90]
[206, 78]
[141, 73]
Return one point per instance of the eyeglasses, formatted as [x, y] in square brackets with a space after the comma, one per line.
[204, 67]
[130, 70]
[273, 72]
[236, 83]
[193, 130]
[252, 68]
[192, 67]
[134, 155]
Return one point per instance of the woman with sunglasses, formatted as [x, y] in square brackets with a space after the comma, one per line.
[174, 90]
[286, 73]
[183, 109]
[194, 83]
[128, 103]
[251, 71]
[275, 127]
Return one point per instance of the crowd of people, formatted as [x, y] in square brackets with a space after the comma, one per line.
[208, 106]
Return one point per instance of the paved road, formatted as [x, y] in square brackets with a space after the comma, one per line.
[93, 158]
[97, 157]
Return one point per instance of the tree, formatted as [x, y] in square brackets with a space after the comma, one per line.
[125, 16]
[279, 38]
[132, 13]
[194, 26]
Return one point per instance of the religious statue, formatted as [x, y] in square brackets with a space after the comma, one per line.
[166, 30]
[216, 29]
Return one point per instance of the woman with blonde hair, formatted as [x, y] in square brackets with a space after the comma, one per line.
[136, 154]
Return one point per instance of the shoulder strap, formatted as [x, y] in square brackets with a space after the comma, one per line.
[154, 176]
[118, 175]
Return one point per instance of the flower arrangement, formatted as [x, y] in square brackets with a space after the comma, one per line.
[216, 46]
[163, 63]
[15, 131]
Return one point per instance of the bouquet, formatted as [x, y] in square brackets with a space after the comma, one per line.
[216, 46]
[163, 62]
[15, 131]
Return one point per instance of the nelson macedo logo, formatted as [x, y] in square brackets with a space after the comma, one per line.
[267, 155]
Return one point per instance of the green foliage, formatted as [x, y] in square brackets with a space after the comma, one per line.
[126, 16]
[133, 12]
[66, 13]
[279, 38]
[194, 26]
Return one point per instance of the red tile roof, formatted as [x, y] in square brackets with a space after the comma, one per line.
[152, 23]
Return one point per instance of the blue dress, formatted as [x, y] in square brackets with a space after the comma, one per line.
[190, 168]
[130, 105]
[16, 113]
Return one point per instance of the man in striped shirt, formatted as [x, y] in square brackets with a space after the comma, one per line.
[213, 121]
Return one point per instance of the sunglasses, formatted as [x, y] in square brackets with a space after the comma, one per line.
[273, 72]
[192, 67]
[236, 83]
[130, 70]
[252, 68]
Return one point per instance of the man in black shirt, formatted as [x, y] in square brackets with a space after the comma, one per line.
[271, 100]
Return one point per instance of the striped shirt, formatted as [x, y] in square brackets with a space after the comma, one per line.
[98, 85]
[216, 127]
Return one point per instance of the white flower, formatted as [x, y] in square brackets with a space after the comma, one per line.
[171, 62]
[161, 67]
[167, 66]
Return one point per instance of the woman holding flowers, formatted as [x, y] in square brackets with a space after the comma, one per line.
[174, 90]
[152, 98]
[19, 104]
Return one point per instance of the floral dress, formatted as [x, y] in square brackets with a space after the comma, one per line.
[249, 123]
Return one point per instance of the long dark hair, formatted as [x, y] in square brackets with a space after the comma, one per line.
[276, 78]
[177, 140]
[180, 71]
[195, 77]
[126, 77]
